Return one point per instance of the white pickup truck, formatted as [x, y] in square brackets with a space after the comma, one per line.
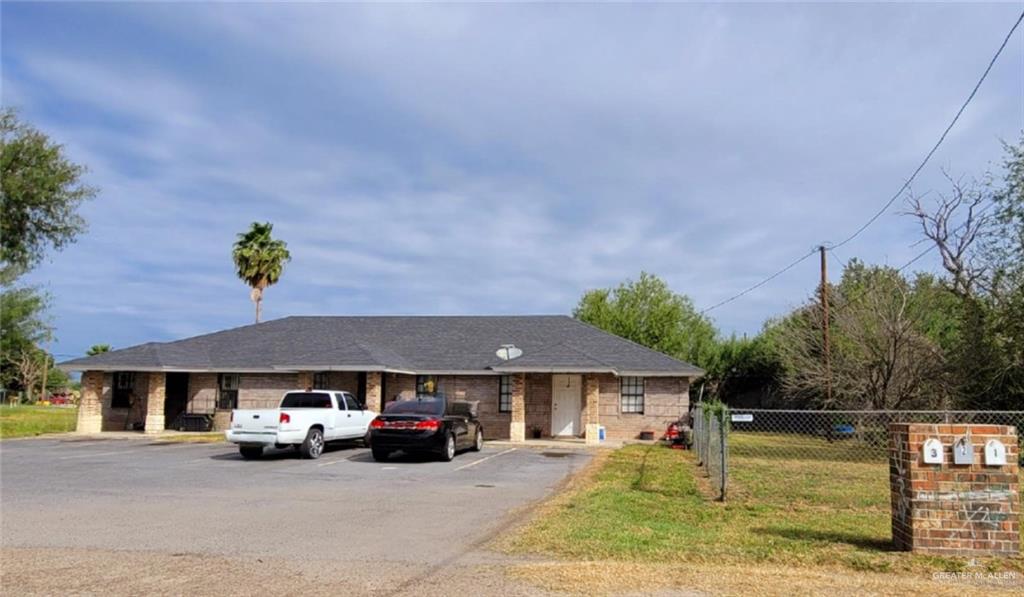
[306, 420]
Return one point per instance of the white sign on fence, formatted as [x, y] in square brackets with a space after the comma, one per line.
[743, 418]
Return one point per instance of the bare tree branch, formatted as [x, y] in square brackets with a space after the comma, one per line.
[954, 222]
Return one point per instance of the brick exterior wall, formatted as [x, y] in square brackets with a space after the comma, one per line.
[124, 419]
[202, 393]
[347, 381]
[374, 398]
[264, 390]
[397, 384]
[255, 390]
[156, 393]
[665, 400]
[949, 509]
[538, 404]
[90, 405]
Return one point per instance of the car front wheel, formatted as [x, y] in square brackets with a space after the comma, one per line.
[478, 441]
[313, 447]
[448, 452]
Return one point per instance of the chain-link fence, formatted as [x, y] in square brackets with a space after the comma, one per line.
[843, 436]
[711, 444]
[778, 440]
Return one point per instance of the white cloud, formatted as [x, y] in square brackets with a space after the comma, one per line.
[482, 159]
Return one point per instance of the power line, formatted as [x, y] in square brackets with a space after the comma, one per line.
[942, 138]
[905, 186]
[762, 282]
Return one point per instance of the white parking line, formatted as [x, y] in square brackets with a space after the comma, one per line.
[131, 450]
[96, 454]
[331, 462]
[476, 462]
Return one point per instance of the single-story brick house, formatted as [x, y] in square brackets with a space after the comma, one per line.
[570, 379]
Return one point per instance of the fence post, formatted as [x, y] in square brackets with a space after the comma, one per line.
[723, 475]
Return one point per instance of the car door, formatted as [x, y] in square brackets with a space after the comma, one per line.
[342, 417]
[359, 417]
[458, 424]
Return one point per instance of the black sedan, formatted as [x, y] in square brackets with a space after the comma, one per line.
[429, 424]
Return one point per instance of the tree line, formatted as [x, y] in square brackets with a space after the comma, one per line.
[898, 339]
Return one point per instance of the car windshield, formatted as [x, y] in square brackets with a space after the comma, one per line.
[425, 405]
[306, 400]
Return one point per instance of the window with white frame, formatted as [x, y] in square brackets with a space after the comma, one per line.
[227, 391]
[505, 394]
[321, 380]
[631, 394]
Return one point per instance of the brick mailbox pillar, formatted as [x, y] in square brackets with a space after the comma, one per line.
[951, 494]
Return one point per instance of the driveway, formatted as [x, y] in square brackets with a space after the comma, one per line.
[140, 516]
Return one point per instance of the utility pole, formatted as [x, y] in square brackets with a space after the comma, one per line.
[46, 364]
[825, 323]
[46, 370]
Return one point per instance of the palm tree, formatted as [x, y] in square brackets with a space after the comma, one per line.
[259, 260]
[96, 349]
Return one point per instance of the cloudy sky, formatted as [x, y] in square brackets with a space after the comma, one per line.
[493, 158]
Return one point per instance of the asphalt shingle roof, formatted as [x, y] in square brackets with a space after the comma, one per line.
[422, 344]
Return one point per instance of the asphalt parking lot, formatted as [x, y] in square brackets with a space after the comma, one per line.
[389, 524]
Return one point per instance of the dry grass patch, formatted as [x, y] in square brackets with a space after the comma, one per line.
[613, 577]
[645, 504]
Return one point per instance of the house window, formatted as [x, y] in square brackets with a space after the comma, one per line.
[505, 394]
[631, 394]
[227, 391]
[426, 384]
[124, 389]
[321, 380]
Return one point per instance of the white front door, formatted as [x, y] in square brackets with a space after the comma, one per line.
[566, 399]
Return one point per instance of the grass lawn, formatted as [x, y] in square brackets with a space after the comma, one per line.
[23, 421]
[651, 504]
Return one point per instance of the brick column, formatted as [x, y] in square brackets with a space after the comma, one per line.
[517, 426]
[155, 395]
[591, 398]
[952, 509]
[373, 390]
[90, 405]
[305, 380]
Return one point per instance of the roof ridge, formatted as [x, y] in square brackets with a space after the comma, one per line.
[634, 343]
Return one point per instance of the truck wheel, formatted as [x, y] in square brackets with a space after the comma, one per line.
[251, 452]
[313, 447]
[478, 441]
[379, 455]
[448, 452]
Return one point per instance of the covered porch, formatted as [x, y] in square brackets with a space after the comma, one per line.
[555, 405]
[154, 401]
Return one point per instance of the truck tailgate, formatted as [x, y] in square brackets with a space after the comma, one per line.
[255, 421]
